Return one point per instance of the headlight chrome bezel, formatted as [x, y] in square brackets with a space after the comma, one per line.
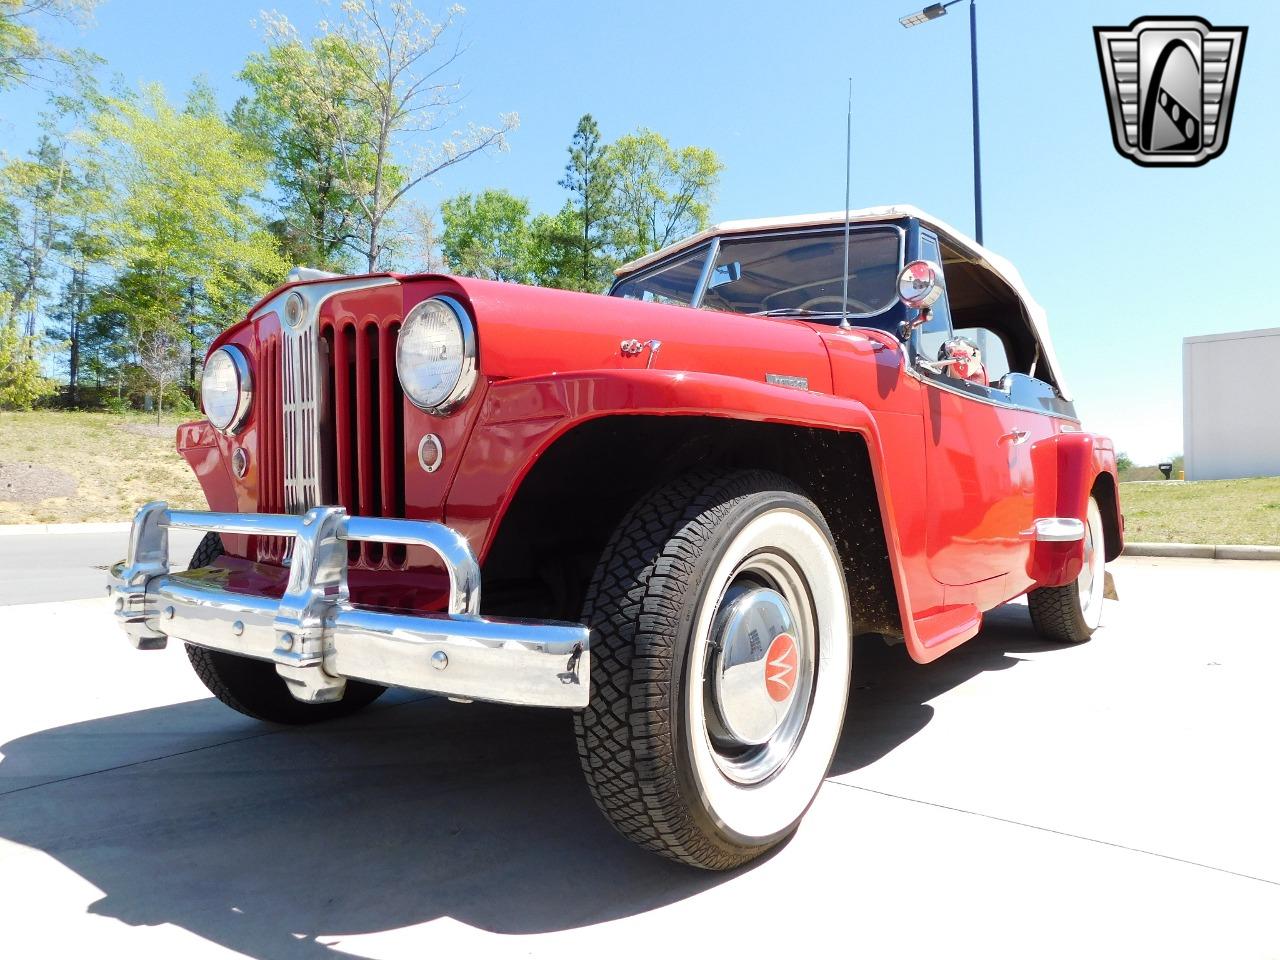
[468, 370]
[244, 389]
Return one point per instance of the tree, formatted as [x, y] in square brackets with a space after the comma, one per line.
[25, 56]
[174, 201]
[21, 382]
[555, 252]
[662, 194]
[319, 213]
[589, 178]
[392, 72]
[39, 195]
[160, 356]
[487, 235]
[1123, 462]
[68, 326]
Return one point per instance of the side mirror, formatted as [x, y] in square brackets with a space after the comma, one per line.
[919, 287]
[725, 273]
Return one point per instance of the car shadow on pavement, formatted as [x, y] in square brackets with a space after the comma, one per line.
[889, 700]
[277, 842]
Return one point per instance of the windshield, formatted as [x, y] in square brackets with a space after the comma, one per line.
[674, 283]
[803, 273]
[797, 274]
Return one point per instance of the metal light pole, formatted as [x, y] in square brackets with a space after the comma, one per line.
[932, 12]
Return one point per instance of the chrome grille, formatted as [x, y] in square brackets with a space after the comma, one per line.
[301, 380]
[329, 413]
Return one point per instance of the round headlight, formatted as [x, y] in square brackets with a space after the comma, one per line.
[436, 354]
[226, 389]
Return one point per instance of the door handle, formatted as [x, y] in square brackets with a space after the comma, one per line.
[1017, 436]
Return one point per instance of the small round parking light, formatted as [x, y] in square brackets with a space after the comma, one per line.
[294, 310]
[430, 453]
[240, 462]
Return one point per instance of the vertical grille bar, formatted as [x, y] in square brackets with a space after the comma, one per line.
[388, 410]
[365, 413]
[270, 464]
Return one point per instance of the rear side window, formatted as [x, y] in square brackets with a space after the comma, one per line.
[994, 355]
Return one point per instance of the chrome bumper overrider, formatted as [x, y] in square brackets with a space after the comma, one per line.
[318, 639]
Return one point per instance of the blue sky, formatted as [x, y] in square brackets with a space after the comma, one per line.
[1127, 260]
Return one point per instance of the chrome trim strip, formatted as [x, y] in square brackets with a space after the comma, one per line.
[1059, 530]
[317, 638]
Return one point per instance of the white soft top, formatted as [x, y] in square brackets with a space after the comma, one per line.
[973, 250]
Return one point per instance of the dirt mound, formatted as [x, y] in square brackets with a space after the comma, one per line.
[31, 483]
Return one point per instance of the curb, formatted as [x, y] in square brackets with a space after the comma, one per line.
[1200, 551]
[42, 529]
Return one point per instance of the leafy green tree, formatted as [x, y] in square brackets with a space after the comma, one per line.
[27, 57]
[174, 203]
[555, 252]
[589, 178]
[1123, 462]
[21, 382]
[661, 193]
[487, 235]
[393, 73]
[40, 194]
[315, 179]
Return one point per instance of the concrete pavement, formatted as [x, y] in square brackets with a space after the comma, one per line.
[41, 567]
[1013, 799]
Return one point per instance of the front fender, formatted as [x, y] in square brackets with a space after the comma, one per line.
[521, 419]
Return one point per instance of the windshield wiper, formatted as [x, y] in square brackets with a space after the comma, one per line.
[793, 311]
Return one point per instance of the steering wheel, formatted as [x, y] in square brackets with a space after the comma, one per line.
[855, 306]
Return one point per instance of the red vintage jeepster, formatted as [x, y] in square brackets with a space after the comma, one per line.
[684, 500]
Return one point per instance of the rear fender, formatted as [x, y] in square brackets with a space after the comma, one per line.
[1070, 468]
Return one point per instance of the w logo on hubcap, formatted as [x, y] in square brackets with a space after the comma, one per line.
[782, 665]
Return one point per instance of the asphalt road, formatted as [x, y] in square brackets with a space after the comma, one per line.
[40, 567]
[1013, 799]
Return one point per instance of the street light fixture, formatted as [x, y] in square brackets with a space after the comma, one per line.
[933, 12]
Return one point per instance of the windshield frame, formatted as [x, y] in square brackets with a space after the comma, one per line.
[713, 254]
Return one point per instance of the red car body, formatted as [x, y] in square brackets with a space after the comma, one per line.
[948, 486]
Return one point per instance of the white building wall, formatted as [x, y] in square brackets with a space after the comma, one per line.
[1230, 405]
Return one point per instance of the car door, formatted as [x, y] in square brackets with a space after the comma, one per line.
[974, 455]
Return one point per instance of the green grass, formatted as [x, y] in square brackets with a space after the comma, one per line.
[116, 468]
[1207, 511]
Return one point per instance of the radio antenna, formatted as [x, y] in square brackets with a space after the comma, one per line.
[848, 167]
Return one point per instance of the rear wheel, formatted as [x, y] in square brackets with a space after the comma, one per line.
[252, 686]
[1072, 612]
[720, 667]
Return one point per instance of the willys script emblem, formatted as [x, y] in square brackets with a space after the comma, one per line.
[1170, 84]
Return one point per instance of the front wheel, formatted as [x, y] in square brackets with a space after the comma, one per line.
[1072, 612]
[253, 687]
[720, 667]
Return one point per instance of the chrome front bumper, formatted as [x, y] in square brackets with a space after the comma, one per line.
[318, 639]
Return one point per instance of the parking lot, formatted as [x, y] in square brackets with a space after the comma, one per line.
[1116, 799]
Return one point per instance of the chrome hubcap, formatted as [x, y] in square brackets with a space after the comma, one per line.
[760, 670]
